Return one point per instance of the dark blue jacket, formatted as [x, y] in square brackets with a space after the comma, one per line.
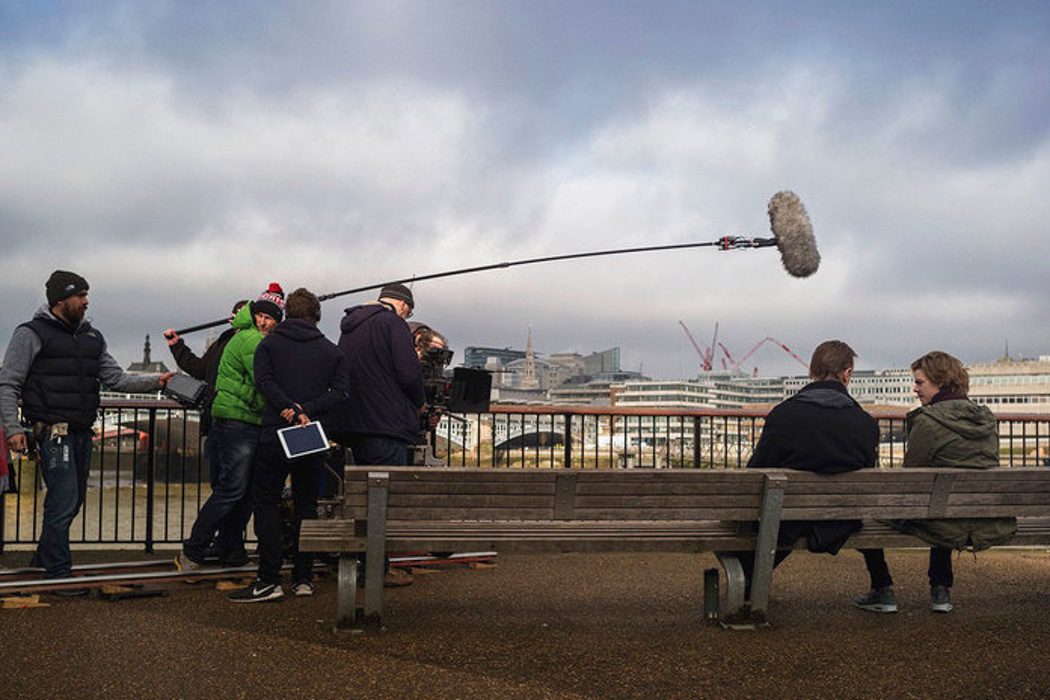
[296, 364]
[386, 382]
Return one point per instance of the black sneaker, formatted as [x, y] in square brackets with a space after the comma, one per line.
[258, 592]
[940, 599]
[881, 600]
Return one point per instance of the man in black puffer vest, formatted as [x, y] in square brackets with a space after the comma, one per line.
[56, 364]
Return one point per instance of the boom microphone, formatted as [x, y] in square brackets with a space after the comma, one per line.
[794, 234]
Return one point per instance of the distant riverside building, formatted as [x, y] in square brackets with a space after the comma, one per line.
[1012, 386]
[885, 387]
[484, 358]
[712, 390]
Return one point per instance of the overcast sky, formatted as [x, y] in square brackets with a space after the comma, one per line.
[181, 155]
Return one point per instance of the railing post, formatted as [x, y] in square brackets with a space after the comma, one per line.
[696, 442]
[150, 468]
[568, 440]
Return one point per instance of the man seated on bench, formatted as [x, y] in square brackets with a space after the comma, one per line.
[820, 429]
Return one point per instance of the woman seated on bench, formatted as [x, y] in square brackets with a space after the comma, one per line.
[947, 430]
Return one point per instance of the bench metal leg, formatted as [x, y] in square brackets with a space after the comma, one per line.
[375, 548]
[766, 546]
[346, 606]
[734, 586]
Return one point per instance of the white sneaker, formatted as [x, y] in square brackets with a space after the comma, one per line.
[303, 588]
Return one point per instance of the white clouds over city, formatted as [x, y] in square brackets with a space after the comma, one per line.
[181, 157]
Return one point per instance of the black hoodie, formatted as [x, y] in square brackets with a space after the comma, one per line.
[296, 364]
[386, 382]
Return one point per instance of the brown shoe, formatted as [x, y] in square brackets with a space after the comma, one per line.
[396, 578]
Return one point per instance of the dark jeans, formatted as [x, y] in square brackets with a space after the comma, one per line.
[939, 571]
[228, 509]
[878, 571]
[64, 462]
[379, 450]
[271, 470]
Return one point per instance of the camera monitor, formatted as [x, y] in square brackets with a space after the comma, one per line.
[185, 389]
[302, 440]
[471, 390]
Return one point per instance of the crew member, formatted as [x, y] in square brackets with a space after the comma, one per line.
[386, 381]
[236, 425]
[302, 376]
[381, 418]
[205, 368]
[56, 364]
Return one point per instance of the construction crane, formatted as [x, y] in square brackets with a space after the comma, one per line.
[707, 354]
[770, 339]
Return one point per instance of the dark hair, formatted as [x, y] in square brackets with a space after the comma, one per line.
[945, 371]
[830, 360]
[302, 303]
[238, 305]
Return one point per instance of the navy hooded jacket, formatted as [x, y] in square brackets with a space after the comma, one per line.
[296, 364]
[386, 381]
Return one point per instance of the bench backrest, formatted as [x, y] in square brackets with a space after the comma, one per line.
[917, 493]
[564, 494]
[446, 493]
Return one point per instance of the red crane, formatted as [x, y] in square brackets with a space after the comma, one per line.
[770, 339]
[707, 354]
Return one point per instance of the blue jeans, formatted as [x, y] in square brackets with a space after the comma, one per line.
[64, 462]
[229, 508]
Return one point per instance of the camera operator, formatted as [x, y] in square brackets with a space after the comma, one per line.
[434, 356]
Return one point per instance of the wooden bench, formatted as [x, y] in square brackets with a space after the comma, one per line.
[391, 509]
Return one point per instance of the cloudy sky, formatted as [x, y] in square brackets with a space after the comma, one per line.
[181, 155]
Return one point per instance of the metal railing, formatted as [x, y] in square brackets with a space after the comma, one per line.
[149, 478]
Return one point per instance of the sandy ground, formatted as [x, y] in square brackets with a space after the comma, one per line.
[560, 626]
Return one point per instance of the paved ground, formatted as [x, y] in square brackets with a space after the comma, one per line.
[562, 626]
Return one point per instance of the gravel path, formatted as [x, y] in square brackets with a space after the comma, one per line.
[560, 626]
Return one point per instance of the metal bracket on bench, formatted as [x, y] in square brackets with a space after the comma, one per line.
[346, 605]
[375, 547]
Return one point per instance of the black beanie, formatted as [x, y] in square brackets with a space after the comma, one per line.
[62, 284]
[399, 292]
[270, 302]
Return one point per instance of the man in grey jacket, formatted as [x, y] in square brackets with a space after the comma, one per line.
[56, 364]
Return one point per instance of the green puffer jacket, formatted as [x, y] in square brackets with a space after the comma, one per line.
[236, 397]
[955, 433]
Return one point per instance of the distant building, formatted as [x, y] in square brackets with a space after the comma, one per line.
[146, 366]
[482, 358]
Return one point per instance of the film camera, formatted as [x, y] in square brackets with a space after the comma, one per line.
[466, 391]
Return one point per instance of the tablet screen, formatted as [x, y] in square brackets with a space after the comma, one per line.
[300, 440]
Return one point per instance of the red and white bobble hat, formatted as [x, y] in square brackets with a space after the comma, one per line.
[270, 302]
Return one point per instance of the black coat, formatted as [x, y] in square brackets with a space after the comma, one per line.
[297, 367]
[386, 381]
[820, 429]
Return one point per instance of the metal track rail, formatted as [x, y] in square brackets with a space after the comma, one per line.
[138, 572]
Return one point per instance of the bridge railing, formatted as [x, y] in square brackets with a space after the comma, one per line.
[149, 478]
